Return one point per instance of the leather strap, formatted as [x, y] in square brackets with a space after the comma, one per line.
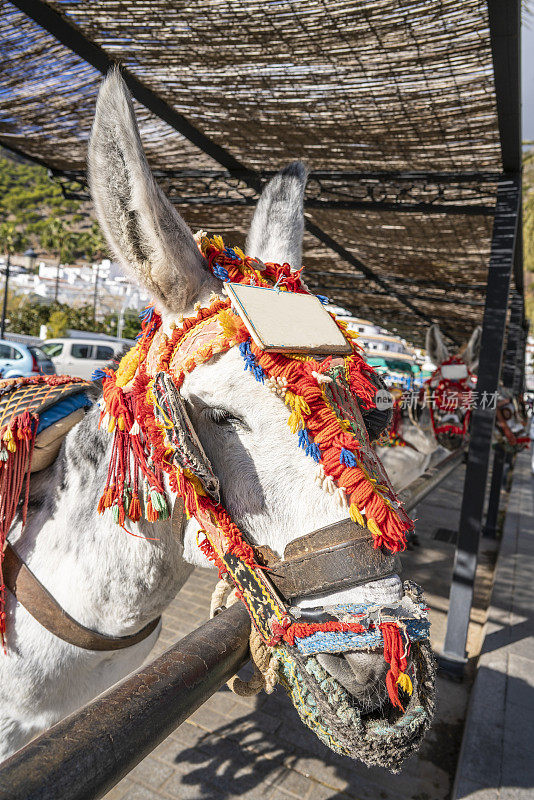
[328, 559]
[41, 605]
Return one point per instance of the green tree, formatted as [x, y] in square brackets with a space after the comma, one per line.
[12, 241]
[57, 324]
[96, 247]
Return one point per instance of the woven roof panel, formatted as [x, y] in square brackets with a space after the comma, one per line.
[372, 86]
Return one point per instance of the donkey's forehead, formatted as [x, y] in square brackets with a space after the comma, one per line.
[222, 378]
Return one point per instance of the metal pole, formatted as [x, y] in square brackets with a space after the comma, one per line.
[95, 296]
[513, 345]
[56, 288]
[4, 307]
[84, 755]
[490, 528]
[482, 422]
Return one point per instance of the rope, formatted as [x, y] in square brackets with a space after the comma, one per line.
[265, 675]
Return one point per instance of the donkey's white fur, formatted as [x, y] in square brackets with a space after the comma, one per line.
[105, 579]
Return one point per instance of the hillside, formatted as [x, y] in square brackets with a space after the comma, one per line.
[34, 202]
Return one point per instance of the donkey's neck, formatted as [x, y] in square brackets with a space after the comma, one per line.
[105, 578]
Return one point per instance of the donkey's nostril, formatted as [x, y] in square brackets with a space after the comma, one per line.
[362, 674]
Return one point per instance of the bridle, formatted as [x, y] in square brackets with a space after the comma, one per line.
[441, 390]
[155, 440]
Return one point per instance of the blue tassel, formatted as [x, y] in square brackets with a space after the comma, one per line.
[220, 272]
[324, 300]
[304, 440]
[250, 362]
[146, 313]
[347, 458]
[309, 447]
[98, 375]
[313, 451]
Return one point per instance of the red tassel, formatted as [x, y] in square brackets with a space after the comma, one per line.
[394, 655]
[12, 474]
[134, 512]
[150, 512]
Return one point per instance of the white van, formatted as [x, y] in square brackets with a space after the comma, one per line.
[80, 357]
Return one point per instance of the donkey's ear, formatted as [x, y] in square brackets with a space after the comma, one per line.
[435, 345]
[278, 222]
[145, 232]
[471, 352]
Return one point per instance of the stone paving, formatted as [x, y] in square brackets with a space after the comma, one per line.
[255, 748]
[497, 753]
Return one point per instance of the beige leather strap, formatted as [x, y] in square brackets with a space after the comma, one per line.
[38, 602]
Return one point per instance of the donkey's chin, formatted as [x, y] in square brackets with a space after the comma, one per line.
[362, 674]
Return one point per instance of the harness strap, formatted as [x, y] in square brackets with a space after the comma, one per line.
[38, 602]
[328, 559]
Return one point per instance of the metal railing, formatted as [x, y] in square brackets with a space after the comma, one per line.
[86, 754]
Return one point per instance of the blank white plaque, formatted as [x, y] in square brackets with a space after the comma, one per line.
[285, 321]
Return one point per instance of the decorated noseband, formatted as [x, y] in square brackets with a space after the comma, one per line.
[325, 396]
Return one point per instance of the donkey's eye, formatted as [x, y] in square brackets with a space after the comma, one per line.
[221, 416]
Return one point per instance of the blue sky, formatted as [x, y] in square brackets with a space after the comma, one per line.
[527, 79]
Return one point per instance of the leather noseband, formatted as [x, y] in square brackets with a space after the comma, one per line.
[335, 557]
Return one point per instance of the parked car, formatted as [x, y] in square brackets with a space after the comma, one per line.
[21, 360]
[80, 357]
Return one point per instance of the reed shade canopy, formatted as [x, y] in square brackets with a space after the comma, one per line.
[391, 104]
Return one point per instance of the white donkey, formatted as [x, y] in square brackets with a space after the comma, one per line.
[114, 583]
[406, 464]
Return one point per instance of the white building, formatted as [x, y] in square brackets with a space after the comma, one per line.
[76, 286]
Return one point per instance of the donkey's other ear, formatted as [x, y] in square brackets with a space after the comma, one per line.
[145, 232]
[435, 345]
[278, 223]
[471, 353]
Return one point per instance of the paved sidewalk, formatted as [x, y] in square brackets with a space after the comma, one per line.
[497, 758]
[257, 748]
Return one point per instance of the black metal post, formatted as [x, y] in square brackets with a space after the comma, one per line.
[87, 753]
[4, 306]
[483, 419]
[509, 367]
[490, 528]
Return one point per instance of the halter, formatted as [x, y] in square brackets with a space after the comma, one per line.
[444, 389]
[154, 439]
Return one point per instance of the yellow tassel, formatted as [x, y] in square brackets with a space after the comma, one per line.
[227, 323]
[373, 527]
[239, 253]
[111, 426]
[9, 439]
[295, 422]
[121, 424]
[218, 242]
[405, 683]
[355, 515]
